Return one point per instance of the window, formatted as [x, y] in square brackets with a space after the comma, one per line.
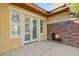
[15, 24]
[41, 26]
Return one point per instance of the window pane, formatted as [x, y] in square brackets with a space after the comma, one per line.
[27, 37]
[41, 26]
[27, 24]
[15, 17]
[13, 32]
[15, 28]
[27, 27]
[41, 22]
[18, 30]
[34, 29]
[27, 19]
[41, 29]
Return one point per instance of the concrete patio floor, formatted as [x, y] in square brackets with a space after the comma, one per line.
[44, 48]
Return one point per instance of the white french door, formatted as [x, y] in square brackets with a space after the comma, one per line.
[30, 29]
[27, 30]
[34, 29]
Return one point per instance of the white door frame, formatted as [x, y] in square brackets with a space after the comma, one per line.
[22, 24]
[31, 29]
[37, 24]
[22, 29]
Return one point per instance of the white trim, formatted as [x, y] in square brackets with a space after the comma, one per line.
[38, 28]
[31, 30]
[22, 29]
[62, 20]
[13, 36]
[27, 13]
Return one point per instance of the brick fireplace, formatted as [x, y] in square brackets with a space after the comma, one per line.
[69, 32]
[56, 36]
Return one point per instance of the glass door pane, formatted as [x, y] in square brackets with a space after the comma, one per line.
[34, 29]
[27, 29]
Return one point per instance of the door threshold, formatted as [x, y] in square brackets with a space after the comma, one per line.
[30, 42]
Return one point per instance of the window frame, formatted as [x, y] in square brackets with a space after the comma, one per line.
[18, 24]
[42, 26]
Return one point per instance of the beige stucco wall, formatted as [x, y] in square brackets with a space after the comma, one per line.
[45, 29]
[43, 36]
[6, 42]
[59, 18]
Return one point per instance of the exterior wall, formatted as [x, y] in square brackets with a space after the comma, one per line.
[56, 18]
[42, 36]
[0, 30]
[45, 29]
[6, 42]
[68, 29]
[59, 18]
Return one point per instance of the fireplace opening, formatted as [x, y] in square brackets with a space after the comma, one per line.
[56, 36]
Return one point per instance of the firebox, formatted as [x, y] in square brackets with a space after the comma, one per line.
[56, 36]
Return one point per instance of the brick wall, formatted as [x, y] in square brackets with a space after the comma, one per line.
[69, 32]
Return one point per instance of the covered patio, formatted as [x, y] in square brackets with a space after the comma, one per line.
[44, 48]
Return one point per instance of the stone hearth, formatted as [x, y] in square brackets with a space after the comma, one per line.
[69, 32]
